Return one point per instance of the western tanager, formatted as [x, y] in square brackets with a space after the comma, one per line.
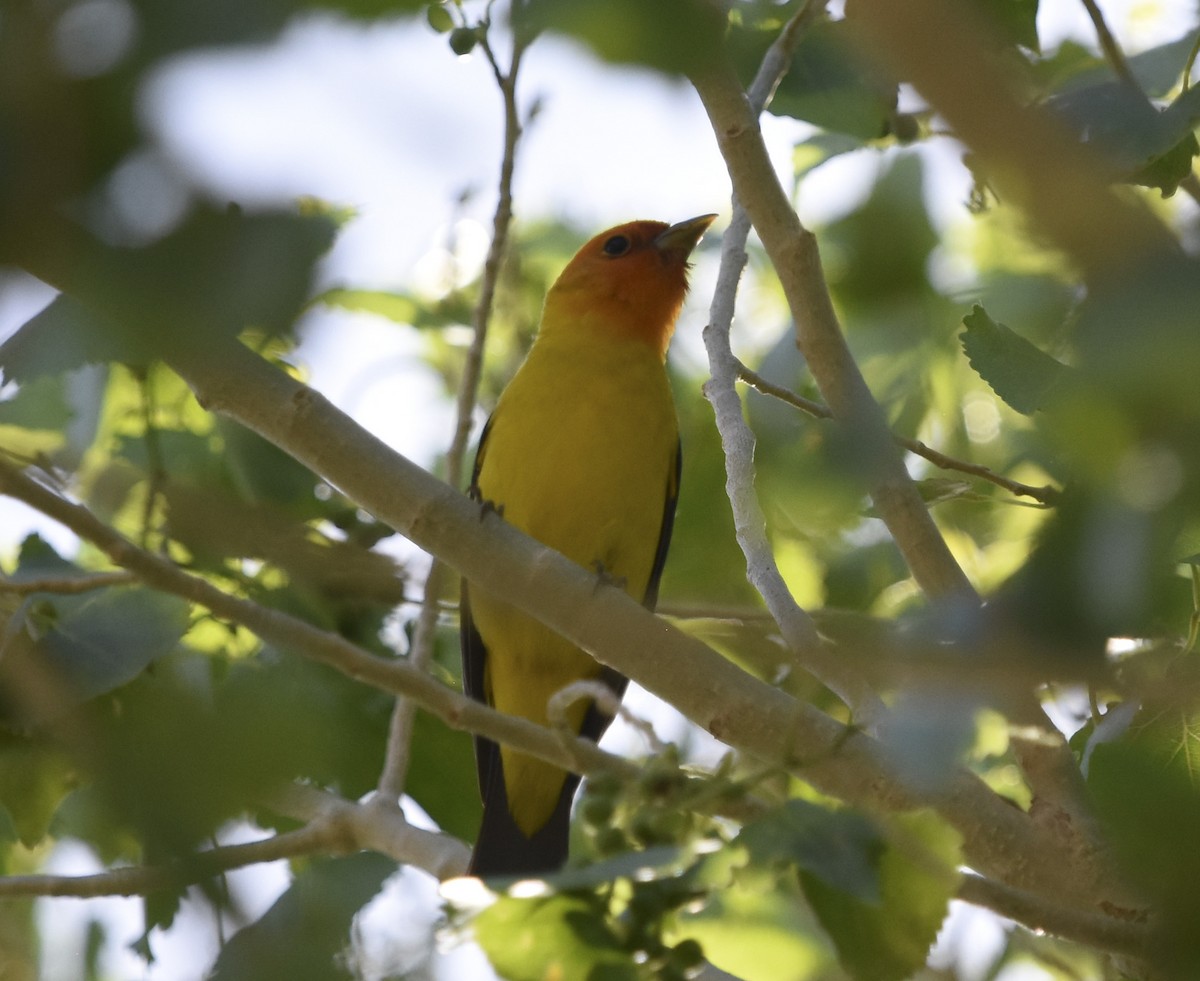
[582, 453]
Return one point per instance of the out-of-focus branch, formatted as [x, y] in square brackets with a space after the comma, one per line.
[1108, 933]
[1059, 183]
[66, 585]
[399, 751]
[793, 252]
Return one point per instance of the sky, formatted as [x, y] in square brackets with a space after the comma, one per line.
[384, 118]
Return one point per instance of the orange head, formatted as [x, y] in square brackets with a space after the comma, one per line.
[629, 280]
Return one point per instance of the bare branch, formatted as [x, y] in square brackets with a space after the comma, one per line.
[793, 252]
[737, 438]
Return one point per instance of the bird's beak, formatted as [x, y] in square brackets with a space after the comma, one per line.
[681, 238]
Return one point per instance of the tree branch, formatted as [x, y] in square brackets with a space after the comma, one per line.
[1108, 933]
[296, 635]
[737, 438]
[724, 700]
[793, 252]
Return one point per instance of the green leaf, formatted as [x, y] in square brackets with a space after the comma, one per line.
[34, 779]
[398, 307]
[1138, 142]
[759, 928]
[302, 935]
[1021, 374]
[918, 876]
[1145, 786]
[830, 85]
[561, 936]
[840, 847]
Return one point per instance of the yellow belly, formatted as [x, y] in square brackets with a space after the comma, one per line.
[581, 457]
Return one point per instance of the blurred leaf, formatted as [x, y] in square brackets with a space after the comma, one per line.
[64, 336]
[886, 271]
[441, 776]
[265, 474]
[1018, 372]
[672, 36]
[398, 307]
[1137, 142]
[438, 17]
[918, 876]
[831, 85]
[38, 404]
[1015, 20]
[838, 846]
[560, 936]
[86, 645]
[302, 936]
[34, 779]
[1145, 786]
[759, 928]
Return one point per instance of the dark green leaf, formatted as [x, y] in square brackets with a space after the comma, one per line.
[560, 936]
[674, 36]
[918, 876]
[1015, 21]
[1137, 142]
[64, 336]
[302, 935]
[1022, 375]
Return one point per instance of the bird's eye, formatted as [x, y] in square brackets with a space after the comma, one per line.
[616, 245]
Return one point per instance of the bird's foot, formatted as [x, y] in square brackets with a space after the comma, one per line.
[606, 578]
[487, 507]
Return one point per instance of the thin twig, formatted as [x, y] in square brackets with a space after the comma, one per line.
[1120, 66]
[737, 439]
[1112, 51]
[140, 880]
[399, 751]
[1044, 493]
[66, 585]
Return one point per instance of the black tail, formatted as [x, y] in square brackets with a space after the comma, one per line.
[502, 848]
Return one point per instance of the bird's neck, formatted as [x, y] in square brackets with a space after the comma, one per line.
[602, 326]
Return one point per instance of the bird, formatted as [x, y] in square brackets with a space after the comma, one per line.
[582, 453]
